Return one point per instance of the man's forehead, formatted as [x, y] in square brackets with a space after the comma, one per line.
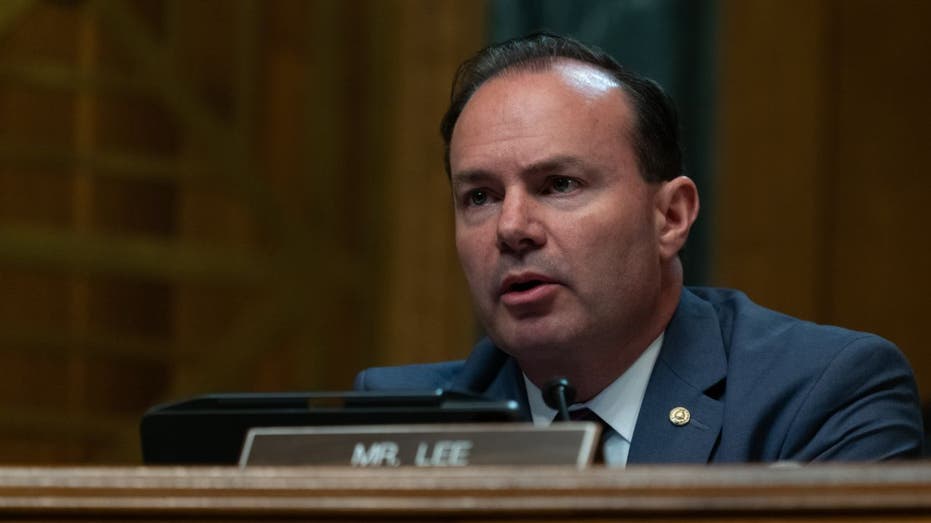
[526, 84]
[514, 104]
[585, 78]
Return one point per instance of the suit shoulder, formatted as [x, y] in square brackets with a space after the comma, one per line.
[749, 327]
[424, 376]
[803, 391]
[765, 347]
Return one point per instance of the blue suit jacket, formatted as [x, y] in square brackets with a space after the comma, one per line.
[760, 386]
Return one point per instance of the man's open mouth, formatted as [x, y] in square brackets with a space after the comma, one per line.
[524, 285]
[520, 283]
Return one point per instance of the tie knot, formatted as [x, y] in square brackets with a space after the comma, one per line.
[584, 414]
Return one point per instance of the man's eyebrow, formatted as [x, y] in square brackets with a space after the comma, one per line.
[471, 176]
[556, 163]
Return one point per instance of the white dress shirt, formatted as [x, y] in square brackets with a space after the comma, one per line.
[618, 404]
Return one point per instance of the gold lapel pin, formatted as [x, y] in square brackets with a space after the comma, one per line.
[680, 416]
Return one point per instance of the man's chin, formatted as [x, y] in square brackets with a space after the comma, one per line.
[533, 342]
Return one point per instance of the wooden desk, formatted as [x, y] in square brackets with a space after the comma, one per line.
[740, 493]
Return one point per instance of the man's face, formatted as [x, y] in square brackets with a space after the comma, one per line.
[555, 226]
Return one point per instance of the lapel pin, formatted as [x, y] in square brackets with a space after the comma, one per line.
[680, 416]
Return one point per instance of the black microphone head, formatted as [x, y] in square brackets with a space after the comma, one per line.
[555, 388]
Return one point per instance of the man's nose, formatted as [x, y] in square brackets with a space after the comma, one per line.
[519, 228]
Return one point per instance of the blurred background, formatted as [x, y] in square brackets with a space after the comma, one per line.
[241, 195]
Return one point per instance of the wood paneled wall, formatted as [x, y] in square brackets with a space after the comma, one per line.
[214, 196]
[248, 195]
[824, 128]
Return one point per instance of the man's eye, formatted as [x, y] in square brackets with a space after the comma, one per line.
[478, 197]
[563, 184]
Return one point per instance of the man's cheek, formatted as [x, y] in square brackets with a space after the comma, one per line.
[475, 278]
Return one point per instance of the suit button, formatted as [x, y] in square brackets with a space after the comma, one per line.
[679, 416]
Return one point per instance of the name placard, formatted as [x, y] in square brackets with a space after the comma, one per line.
[431, 445]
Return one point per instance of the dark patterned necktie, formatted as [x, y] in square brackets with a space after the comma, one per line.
[587, 415]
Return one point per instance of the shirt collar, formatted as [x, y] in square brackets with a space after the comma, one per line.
[618, 404]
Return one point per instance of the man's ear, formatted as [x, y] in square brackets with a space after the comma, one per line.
[676, 210]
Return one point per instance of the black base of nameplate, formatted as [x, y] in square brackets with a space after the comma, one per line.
[431, 445]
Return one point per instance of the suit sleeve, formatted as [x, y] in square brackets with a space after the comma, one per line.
[419, 377]
[863, 407]
[359, 382]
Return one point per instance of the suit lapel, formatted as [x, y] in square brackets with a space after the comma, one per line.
[492, 373]
[509, 384]
[691, 361]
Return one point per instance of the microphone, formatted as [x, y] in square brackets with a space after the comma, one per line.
[558, 393]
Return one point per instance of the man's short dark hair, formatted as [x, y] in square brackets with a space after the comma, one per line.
[655, 135]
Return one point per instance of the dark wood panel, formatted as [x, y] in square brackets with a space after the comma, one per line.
[769, 217]
[880, 253]
[217, 195]
[421, 273]
[824, 120]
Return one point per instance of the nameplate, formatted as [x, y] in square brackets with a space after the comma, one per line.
[447, 445]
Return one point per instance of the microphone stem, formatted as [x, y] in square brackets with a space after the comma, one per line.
[561, 401]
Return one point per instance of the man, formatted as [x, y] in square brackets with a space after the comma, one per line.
[570, 210]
